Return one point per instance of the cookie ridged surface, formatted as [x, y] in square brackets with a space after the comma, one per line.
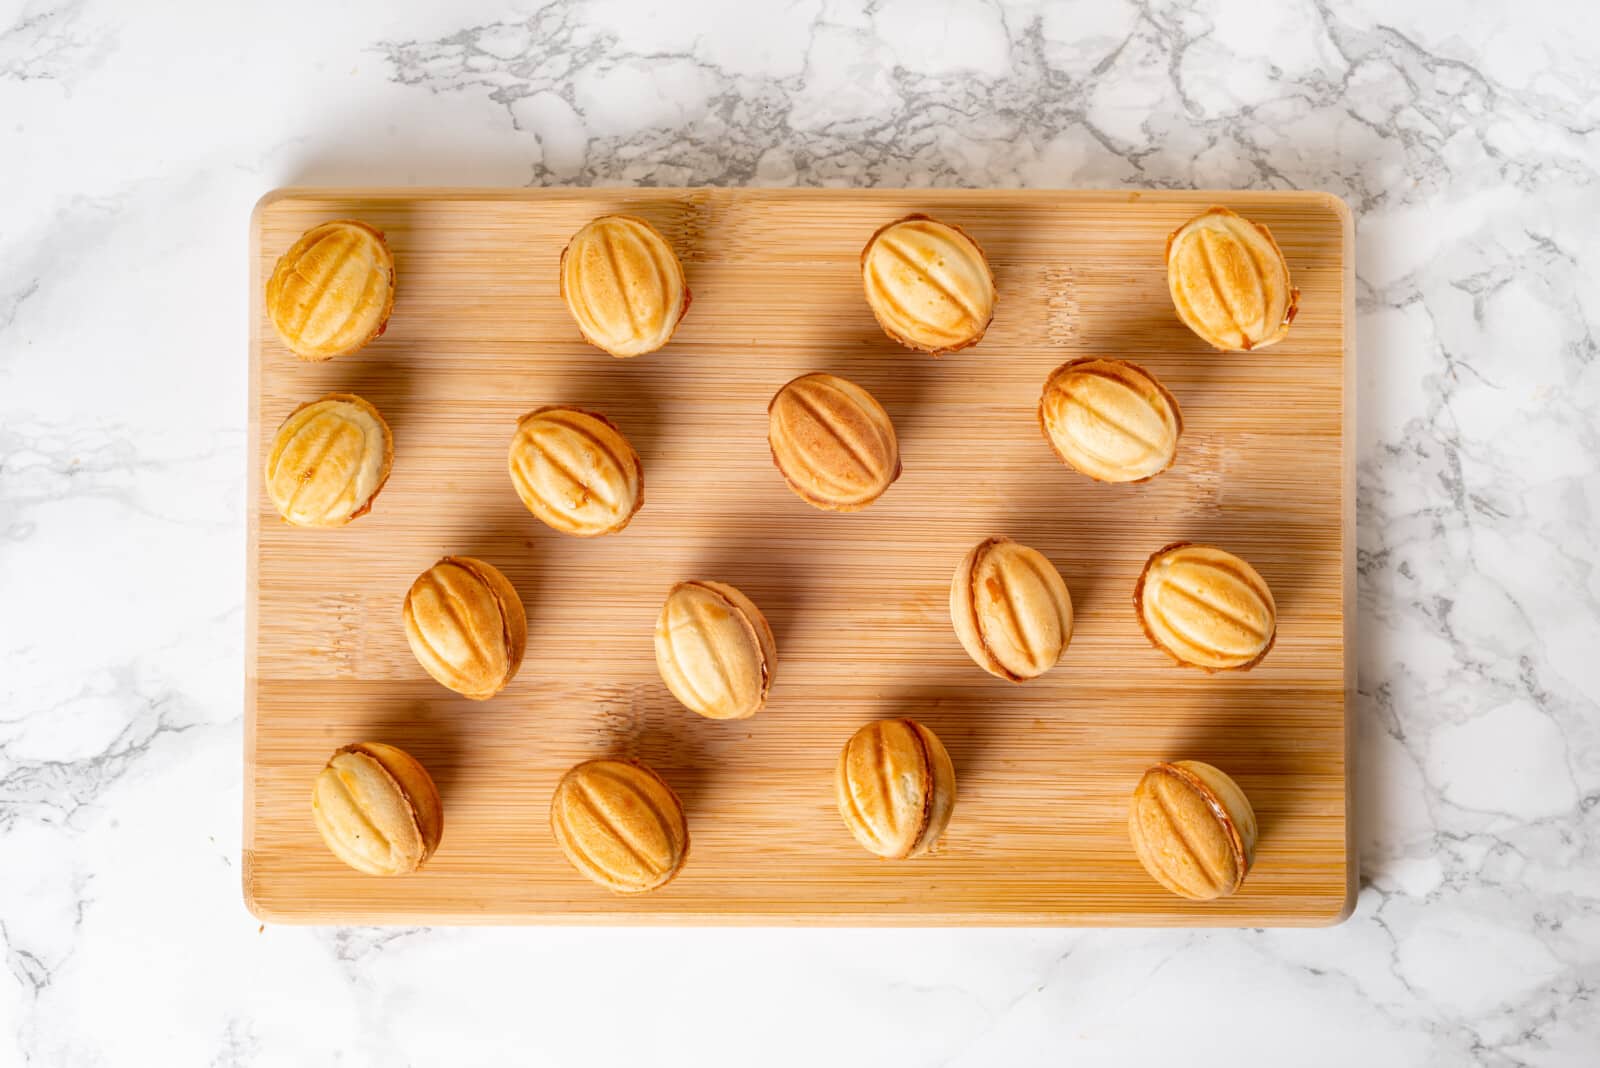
[1011, 609]
[1110, 419]
[928, 284]
[624, 285]
[1206, 607]
[833, 442]
[328, 461]
[714, 650]
[575, 471]
[1193, 829]
[895, 787]
[332, 291]
[466, 626]
[377, 809]
[620, 825]
[1229, 281]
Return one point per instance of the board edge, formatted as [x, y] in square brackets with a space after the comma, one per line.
[1350, 591]
[252, 613]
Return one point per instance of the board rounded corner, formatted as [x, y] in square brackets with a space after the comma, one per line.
[251, 893]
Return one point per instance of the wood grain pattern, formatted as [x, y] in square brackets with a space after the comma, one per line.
[858, 602]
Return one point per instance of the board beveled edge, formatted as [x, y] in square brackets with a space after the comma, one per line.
[1347, 591]
[602, 917]
[252, 584]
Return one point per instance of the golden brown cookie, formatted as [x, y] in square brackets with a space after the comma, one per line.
[466, 627]
[1110, 419]
[1206, 608]
[715, 650]
[575, 471]
[624, 285]
[1230, 282]
[1011, 609]
[1193, 829]
[331, 293]
[896, 788]
[620, 825]
[929, 284]
[328, 461]
[833, 442]
[377, 809]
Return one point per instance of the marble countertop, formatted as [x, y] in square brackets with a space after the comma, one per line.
[135, 138]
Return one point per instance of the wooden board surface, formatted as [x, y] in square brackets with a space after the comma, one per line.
[858, 602]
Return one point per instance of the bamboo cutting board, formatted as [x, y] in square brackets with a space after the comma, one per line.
[858, 602]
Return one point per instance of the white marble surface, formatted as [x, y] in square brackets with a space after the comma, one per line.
[134, 138]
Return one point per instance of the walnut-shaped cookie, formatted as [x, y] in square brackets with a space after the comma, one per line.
[1011, 609]
[377, 809]
[896, 788]
[1110, 419]
[575, 471]
[1230, 282]
[928, 284]
[1193, 829]
[465, 625]
[715, 651]
[620, 825]
[1205, 607]
[833, 442]
[332, 291]
[328, 461]
[623, 285]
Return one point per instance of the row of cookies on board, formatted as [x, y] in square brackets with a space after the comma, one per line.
[927, 282]
[831, 440]
[1009, 607]
[620, 825]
